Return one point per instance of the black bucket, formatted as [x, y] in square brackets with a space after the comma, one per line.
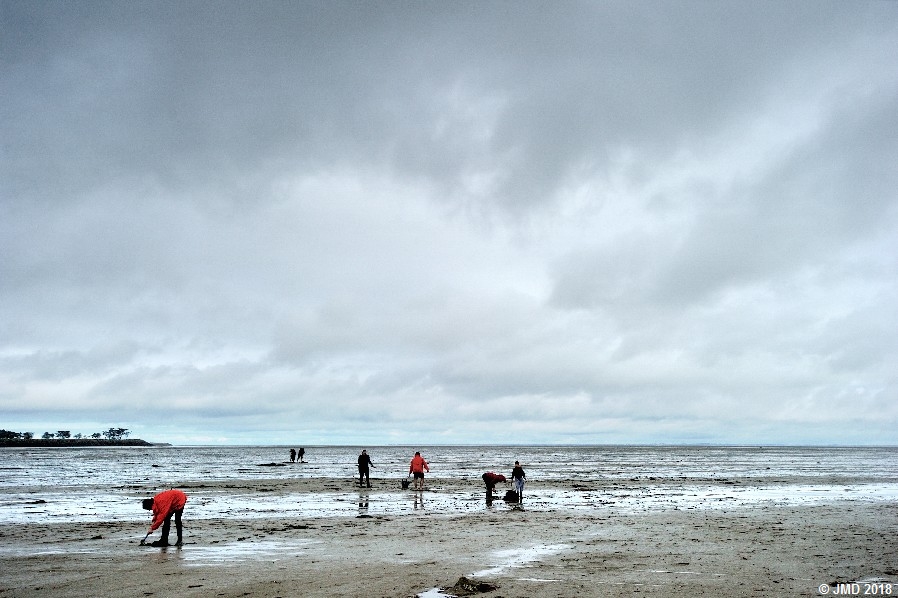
[404, 484]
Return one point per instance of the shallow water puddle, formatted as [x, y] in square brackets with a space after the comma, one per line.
[668, 572]
[51, 507]
[234, 553]
[520, 557]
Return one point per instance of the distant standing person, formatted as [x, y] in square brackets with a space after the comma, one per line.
[165, 505]
[292, 455]
[417, 468]
[300, 455]
[364, 462]
[517, 479]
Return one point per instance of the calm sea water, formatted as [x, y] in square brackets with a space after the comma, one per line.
[43, 485]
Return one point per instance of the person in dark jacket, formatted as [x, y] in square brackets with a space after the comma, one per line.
[364, 462]
[517, 480]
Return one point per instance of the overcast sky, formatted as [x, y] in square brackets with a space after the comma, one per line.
[450, 222]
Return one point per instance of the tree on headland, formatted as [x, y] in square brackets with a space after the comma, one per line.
[112, 434]
[116, 433]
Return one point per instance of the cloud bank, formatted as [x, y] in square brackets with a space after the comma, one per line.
[467, 223]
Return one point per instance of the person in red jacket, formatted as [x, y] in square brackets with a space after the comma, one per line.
[417, 468]
[165, 505]
[491, 479]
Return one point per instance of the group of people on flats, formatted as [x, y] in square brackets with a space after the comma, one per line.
[297, 456]
[170, 504]
[517, 481]
[418, 466]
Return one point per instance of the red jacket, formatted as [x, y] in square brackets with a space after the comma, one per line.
[166, 503]
[418, 465]
[492, 479]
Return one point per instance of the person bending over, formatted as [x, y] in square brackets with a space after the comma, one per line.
[491, 479]
[164, 506]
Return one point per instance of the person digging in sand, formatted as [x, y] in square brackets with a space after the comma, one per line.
[164, 506]
[491, 479]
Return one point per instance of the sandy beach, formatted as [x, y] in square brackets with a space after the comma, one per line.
[761, 549]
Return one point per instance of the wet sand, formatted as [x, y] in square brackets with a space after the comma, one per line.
[760, 549]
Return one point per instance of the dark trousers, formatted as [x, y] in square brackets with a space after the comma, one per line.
[363, 473]
[166, 525]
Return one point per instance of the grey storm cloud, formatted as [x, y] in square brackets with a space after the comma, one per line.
[392, 222]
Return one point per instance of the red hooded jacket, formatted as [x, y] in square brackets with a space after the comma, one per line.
[166, 503]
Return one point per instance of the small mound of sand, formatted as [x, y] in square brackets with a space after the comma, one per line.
[467, 587]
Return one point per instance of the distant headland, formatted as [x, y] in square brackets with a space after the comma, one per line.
[64, 438]
[60, 442]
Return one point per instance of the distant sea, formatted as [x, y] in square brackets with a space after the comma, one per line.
[43, 485]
